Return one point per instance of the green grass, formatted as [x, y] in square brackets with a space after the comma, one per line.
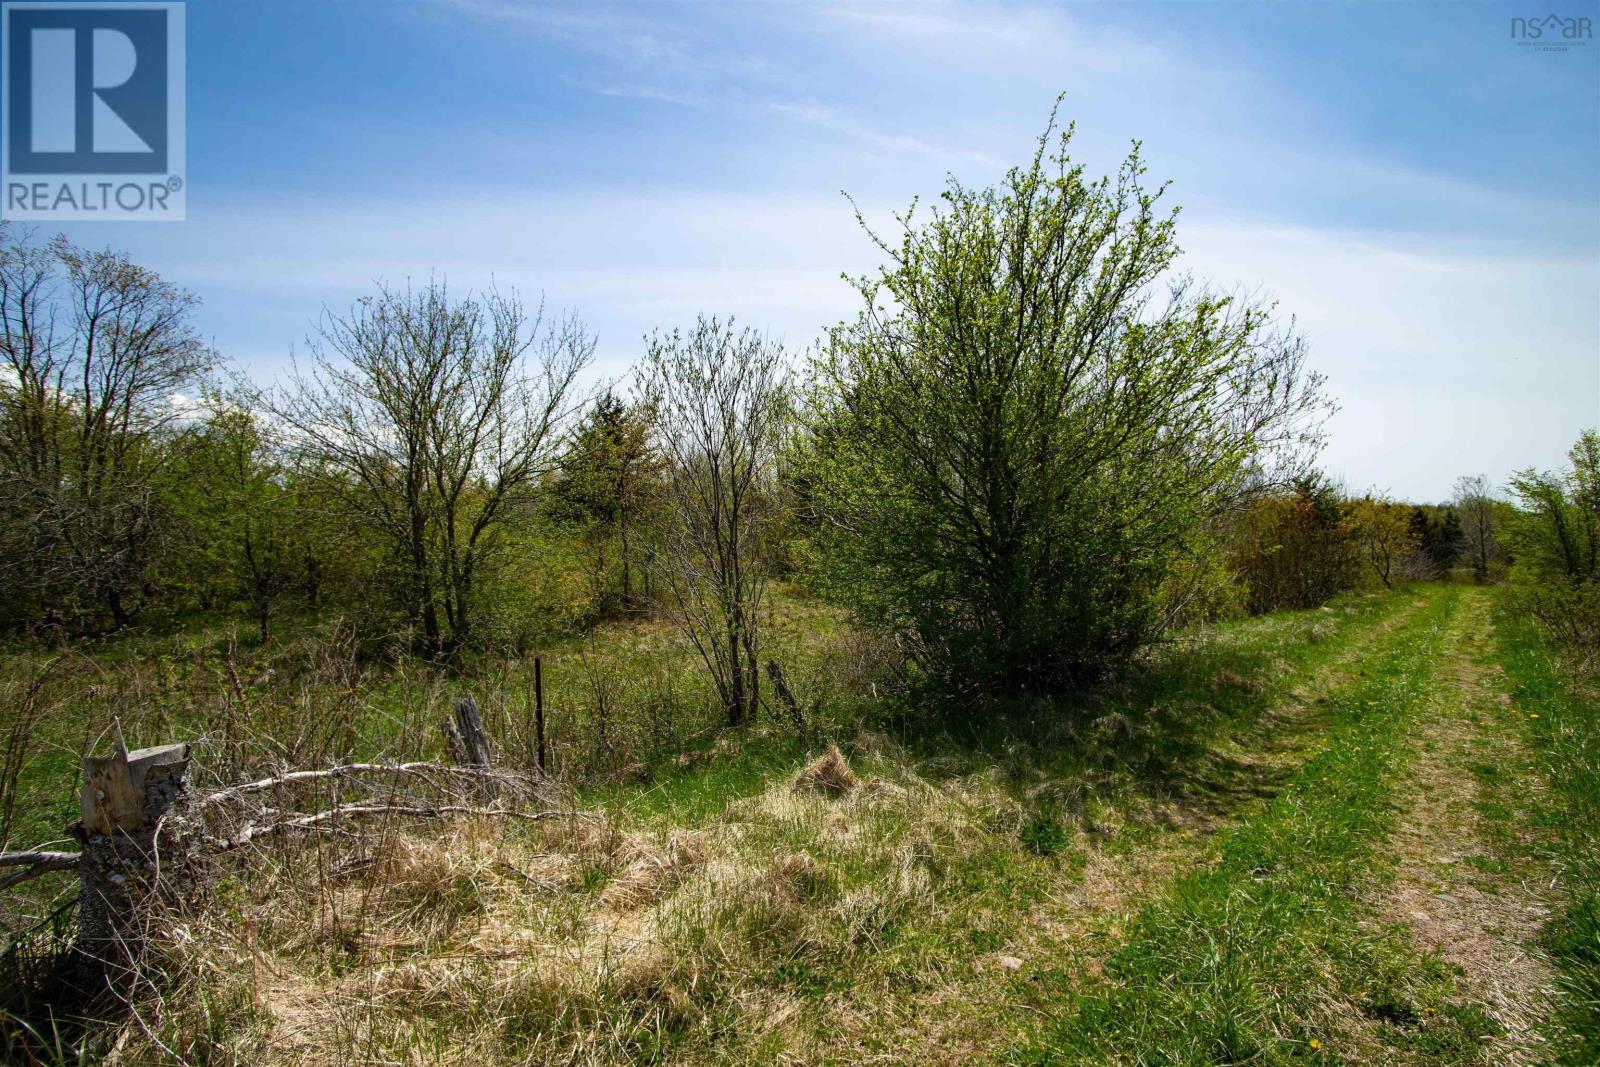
[1561, 720]
[1262, 957]
[870, 924]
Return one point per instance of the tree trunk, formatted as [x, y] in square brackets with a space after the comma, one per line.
[780, 685]
[119, 613]
[627, 577]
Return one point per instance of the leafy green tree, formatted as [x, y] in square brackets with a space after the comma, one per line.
[1556, 530]
[246, 513]
[1293, 549]
[1033, 419]
[1384, 535]
[611, 484]
[1554, 533]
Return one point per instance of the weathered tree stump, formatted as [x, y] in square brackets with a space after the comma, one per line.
[468, 741]
[142, 857]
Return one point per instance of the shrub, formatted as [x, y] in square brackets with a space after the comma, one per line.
[1017, 440]
[1554, 535]
[1293, 550]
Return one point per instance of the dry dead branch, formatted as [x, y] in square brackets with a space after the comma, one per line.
[347, 770]
[359, 811]
[35, 863]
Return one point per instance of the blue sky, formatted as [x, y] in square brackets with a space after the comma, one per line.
[1421, 193]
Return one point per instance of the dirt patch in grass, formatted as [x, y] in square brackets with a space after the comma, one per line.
[1464, 887]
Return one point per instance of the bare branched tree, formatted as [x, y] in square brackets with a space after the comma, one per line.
[720, 399]
[1474, 500]
[93, 349]
[423, 417]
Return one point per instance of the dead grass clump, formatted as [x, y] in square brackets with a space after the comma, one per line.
[1069, 799]
[613, 1000]
[881, 793]
[828, 774]
[651, 870]
[553, 872]
[869, 915]
[879, 747]
[797, 876]
[440, 879]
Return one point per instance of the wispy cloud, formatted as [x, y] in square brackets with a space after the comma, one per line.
[975, 33]
[652, 58]
[634, 36]
[826, 118]
[642, 162]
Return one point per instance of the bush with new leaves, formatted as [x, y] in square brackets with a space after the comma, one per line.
[1033, 420]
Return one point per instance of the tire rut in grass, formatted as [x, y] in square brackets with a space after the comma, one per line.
[1255, 955]
[1114, 881]
[1464, 885]
[1082, 923]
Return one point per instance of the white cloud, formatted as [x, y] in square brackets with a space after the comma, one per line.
[1444, 359]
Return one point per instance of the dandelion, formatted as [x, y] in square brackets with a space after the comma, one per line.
[1315, 1043]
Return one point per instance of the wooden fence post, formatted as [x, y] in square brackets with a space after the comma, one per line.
[538, 710]
[797, 714]
[466, 736]
[142, 853]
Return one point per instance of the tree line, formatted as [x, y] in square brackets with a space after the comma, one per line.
[1036, 448]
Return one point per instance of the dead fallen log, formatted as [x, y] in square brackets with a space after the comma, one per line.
[36, 863]
[346, 770]
[321, 819]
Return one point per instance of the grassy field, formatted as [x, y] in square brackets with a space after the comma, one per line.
[1363, 834]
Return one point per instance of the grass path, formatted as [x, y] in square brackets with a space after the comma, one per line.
[1466, 883]
[1116, 878]
[1272, 954]
[1067, 936]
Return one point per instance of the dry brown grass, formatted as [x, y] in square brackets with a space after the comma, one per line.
[585, 942]
[829, 774]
